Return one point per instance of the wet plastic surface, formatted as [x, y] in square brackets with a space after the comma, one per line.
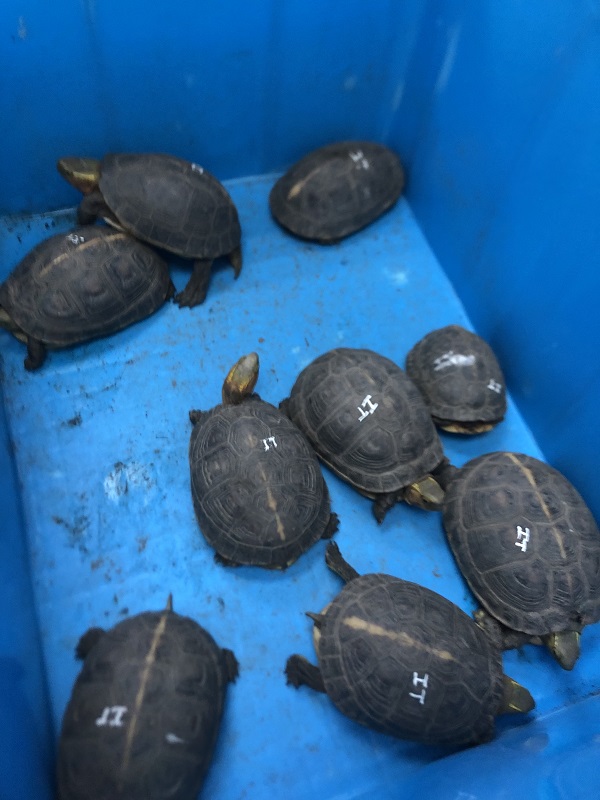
[101, 433]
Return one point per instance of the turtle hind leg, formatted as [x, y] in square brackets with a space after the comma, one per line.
[195, 292]
[36, 354]
[300, 672]
[235, 259]
[338, 564]
[332, 526]
[502, 637]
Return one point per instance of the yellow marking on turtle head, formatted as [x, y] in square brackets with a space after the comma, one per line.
[359, 624]
[529, 475]
[83, 173]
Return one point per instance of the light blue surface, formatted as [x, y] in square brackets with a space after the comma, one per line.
[494, 110]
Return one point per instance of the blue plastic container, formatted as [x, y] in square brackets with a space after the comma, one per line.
[493, 108]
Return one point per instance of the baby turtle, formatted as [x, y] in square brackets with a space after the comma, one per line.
[529, 548]
[337, 190]
[367, 421]
[258, 490]
[165, 201]
[401, 659]
[145, 710]
[77, 286]
[460, 378]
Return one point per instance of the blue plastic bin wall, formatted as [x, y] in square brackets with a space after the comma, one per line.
[493, 108]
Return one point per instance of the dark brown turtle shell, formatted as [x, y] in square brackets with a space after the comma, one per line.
[258, 491]
[171, 203]
[144, 712]
[526, 543]
[460, 378]
[403, 660]
[82, 284]
[337, 190]
[365, 419]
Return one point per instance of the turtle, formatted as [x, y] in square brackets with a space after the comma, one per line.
[164, 201]
[368, 422]
[529, 549]
[78, 285]
[336, 190]
[405, 661]
[257, 487]
[145, 710]
[460, 378]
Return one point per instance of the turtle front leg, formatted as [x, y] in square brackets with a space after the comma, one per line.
[195, 292]
[91, 207]
[36, 354]
[503, 638]
[300, 672]
[87, 642]
[382, 504]
[338, 564]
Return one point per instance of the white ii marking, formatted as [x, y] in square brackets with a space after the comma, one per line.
[112, 716]
[266, 442]
[75, 239]
[494, 386]
[522, 538]
[420, 696]
[366, 408]
[359, 159]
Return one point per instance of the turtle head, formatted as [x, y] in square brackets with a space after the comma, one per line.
[82, 173]
[425, 493]
[241, 380]
[564, 646]
[516, 699]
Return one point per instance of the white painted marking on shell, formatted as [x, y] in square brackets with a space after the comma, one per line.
[523, 536]
[197, 168]
[452, 359]
[494, 386]
[420, 696]
[171, 738]
[112, 716]
[366, 407]
[271, 440]
[359, 159]
[75, 239]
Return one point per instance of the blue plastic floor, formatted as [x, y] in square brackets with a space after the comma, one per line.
[101, 437]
